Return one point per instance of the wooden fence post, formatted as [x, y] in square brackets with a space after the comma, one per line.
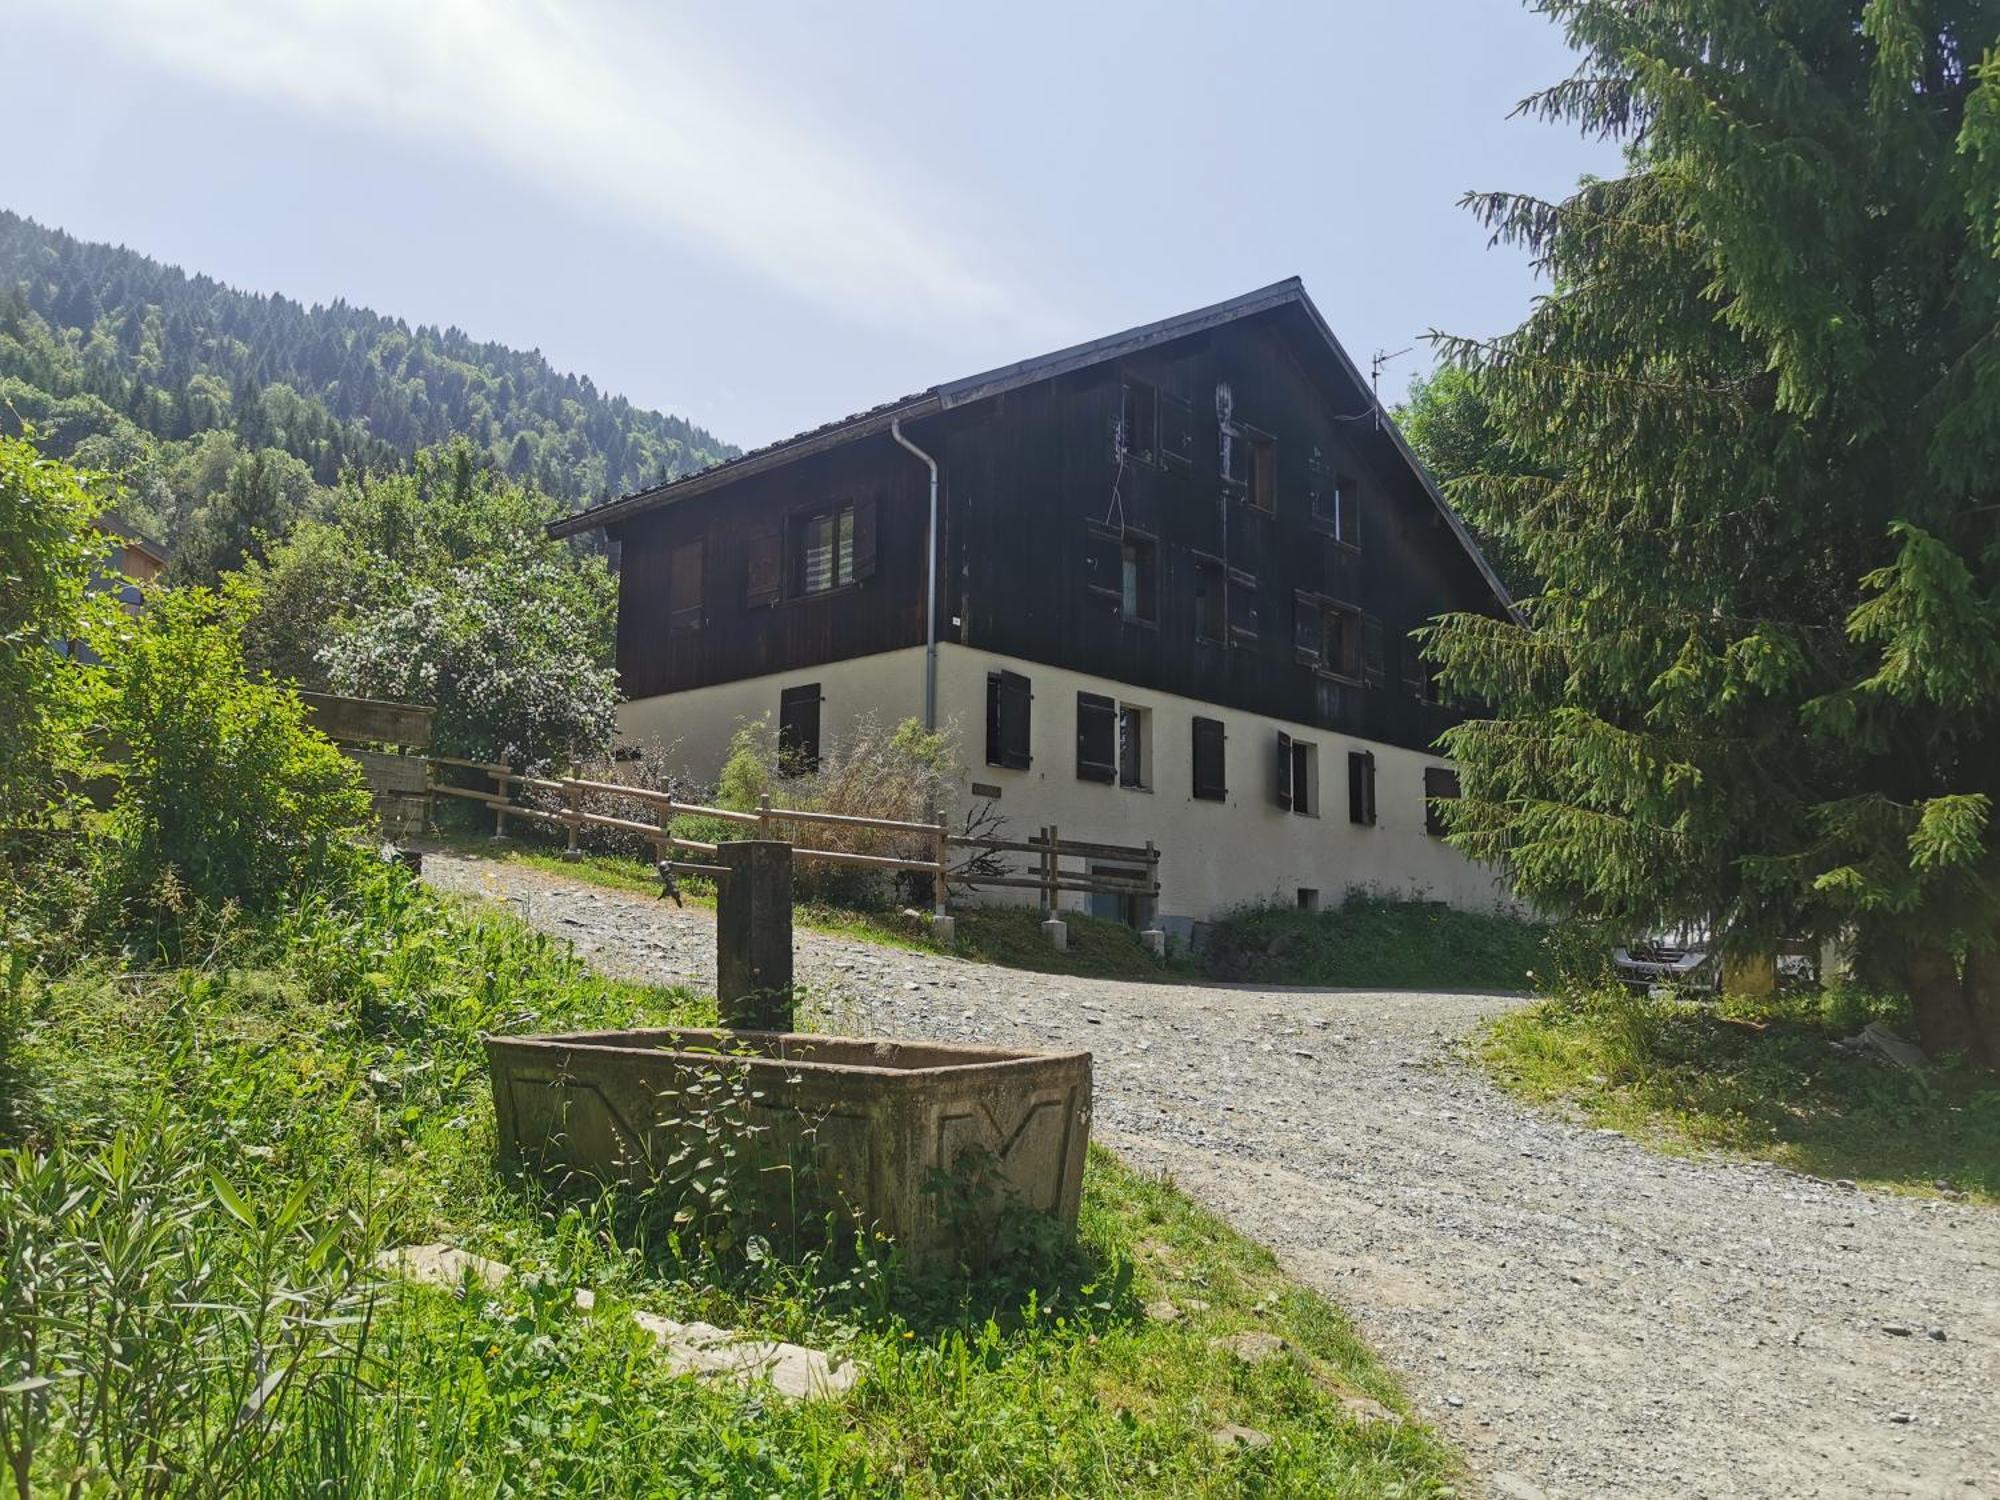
[500, 807]
[940, 842]
[573, 801]
[763, 815]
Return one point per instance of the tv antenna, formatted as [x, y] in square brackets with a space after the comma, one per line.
[1380, 359]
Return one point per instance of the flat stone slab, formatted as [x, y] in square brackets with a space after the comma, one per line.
[711, 1353]
[442, 1265]
[1230, 1435]
[1252, 1347]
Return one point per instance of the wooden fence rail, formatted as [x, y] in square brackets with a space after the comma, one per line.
[983, 868]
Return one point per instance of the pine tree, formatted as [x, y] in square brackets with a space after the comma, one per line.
[1760, 682]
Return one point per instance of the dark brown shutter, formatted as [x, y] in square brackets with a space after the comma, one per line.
[763, 567]
[798, 729]
[864, 539]
[1176, 429]
[684, 570]
[1308, 628]
[1283, 788]
[1374, 651]
[1008, 700]
[1361, 787]
[1210, 778]
[1104, 562]
[1440, 786]
[1096, 738]
[1415, 678]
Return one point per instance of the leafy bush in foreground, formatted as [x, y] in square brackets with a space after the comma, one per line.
[224, 792]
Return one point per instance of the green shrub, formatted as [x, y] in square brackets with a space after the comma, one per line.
[1375, 941]
[225, 796]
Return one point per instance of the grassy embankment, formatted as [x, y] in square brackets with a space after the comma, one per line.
[1756, 1077]
[209, 1156]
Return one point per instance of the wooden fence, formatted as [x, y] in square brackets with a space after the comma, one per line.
[984, 861]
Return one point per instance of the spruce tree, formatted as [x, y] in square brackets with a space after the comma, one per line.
[1759, 681]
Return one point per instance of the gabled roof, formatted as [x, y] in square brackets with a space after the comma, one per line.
[1290, 292]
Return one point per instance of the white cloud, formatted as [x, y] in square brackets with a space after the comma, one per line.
[607, 107]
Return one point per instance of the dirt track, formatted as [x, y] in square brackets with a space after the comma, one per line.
[1582, 1316]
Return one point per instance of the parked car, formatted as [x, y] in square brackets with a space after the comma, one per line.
[1680, 959]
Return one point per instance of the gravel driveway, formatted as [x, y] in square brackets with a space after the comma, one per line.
[1581, 1316]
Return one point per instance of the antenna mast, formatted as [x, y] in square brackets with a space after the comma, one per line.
[1381, 358]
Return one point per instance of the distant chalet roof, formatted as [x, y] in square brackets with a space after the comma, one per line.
[1290, 292]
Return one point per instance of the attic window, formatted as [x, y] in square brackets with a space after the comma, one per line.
[1329, 636]
[1211, 602]
[1125, 565]
[1335, 502]
[1139, 422]
[824, 550]
[1251, 466]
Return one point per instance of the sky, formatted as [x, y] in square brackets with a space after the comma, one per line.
[762, 216]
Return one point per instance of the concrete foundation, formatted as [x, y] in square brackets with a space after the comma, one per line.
[863, 1124]
[944, 930]
[1056, 930]
[1155, 941]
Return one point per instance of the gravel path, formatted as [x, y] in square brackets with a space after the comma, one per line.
[1583, 1317]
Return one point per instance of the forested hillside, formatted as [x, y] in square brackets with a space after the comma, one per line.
[203, 398]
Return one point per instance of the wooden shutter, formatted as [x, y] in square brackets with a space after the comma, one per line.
[1104, 562]
[1283, 788]
[1308, 628]
[1440, 785]
[1361, 787]
[864, 539]
[1211, 782]
[1007, 720]
[1415, 678]
[1374, 651]
[763, 567]
[1096, 738]
[684, 569]
[798, 729]
[1176, 429]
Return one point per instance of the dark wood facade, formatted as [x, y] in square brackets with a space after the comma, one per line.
[1166, 519]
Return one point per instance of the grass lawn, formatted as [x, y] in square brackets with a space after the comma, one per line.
[206, 1159]
[1678, 1074]
[1369, 942]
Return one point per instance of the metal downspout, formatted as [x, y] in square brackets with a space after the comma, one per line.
[930, 610]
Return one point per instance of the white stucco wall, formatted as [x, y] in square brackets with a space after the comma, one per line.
[1213, 855]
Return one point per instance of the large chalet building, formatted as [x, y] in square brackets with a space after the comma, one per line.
[1175, 571]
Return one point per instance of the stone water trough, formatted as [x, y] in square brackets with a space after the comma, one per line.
[875, 1119]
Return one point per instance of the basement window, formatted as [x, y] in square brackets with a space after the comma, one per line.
[1308, 898]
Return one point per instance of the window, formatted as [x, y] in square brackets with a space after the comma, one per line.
[1334, 504]
[1176, 429]
[1139, 422]
[1297, 775]
[1125, 564]
[1440, 786]
[833, 548]
[1308, 898]
[1245, 606]
[1132, 736]
[1007, 720]
[684, 586]
[1096, 738]
[1211, 602]
[1420, 678]
[798, 730]
[1250, 464]
[1361, 787]
[1328, 635]
[1211, 782]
